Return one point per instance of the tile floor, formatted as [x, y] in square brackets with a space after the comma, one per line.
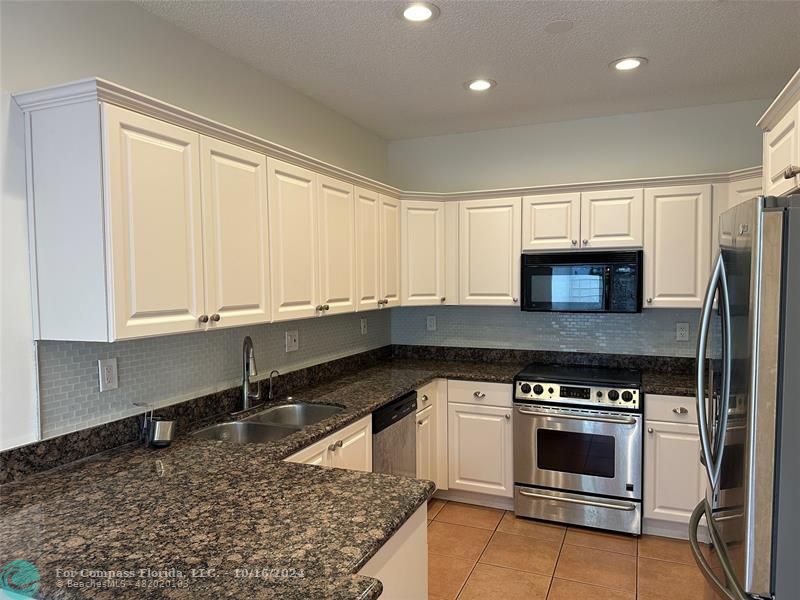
[477, 553]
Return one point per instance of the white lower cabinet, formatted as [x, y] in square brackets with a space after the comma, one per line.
[349, 448]
[480, 449]
[674, 479]
[426, 444]
[432, 432]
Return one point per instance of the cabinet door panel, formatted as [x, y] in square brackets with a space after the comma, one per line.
[677, 245]
[731, 194]
[390, 251]
[480, 449]
[612, 219]
[354, 447]
[337, 245]
[426, 444]
[235, 233]
[368, 249]
[153, 191]
[423, 250]
[489, 239]
[674, 480]
[551, 222]
[293, 247]
[781, 152]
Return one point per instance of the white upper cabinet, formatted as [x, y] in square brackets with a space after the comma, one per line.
[423, 251]
[368, 249]
[730, 195]
[235, 234]
[293, 241]
[612, 219]
[677, 245]
[490, 247]
[390, 251]
[782, 155]
[155, 224]
[337, 245]
[551, 222]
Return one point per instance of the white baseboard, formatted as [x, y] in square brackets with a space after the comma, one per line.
[487, 500]
[670, 529]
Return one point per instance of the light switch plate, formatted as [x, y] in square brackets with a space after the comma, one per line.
[363, 326]
[292, 340]
[682, 332]
[430, 323]
[107, 372]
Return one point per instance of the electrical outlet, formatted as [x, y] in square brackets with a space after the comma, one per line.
[430, 323]
[292, 340]
[682, 332]
[363, 327]
[107, 371]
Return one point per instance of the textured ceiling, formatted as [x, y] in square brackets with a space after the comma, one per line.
[405, 80]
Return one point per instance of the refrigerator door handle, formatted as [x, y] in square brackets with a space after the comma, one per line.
[702, 342]
[727, 368]
[719, 587]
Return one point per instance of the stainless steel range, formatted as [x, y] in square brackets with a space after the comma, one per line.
[578, 446]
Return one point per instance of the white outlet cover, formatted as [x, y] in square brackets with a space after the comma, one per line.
[107, 373]
[430, 323]
[363, 326]
[292, 340]
[682, 332]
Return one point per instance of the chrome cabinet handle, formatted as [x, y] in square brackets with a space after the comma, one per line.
[326, 307]
[339, 444]
[791, 171]
[626, 506]
[203, 318]
[681, 410]
[649, 300]
[585, 242]
[332, 448]
[649, 430]
[479, 395]
[425, 397]
[319, 307]
[508, 416]
[574, 242]
[443, 299]
[215, 317]
[515, 299]
[615, 420]
[384, 301]
[419, 422]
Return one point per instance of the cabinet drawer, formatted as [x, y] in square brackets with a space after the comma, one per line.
[673, 409]
[480, 392]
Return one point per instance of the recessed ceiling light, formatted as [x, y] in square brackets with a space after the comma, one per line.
[419, 12]
[629, 63]
[480, 85]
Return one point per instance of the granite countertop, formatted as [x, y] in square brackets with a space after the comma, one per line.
[209, 507]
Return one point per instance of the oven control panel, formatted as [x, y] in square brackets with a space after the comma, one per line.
[588, 395]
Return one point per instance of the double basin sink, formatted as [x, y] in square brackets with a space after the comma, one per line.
[269, 425]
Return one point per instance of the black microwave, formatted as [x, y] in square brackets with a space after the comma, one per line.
[605, 282]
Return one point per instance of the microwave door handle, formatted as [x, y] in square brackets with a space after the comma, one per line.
[702, 342]
[606, 288]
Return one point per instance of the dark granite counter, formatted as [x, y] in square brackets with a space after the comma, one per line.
[199, 510]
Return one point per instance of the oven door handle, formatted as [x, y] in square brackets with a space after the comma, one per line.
[614, 420]
[626, 506]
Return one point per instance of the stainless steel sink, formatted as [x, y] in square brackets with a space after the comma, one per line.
[297, 414]
[241, 432]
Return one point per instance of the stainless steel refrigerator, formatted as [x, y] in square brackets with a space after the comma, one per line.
[749, 415]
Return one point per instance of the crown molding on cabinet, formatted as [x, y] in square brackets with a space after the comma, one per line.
[101, 90]
[788, 97]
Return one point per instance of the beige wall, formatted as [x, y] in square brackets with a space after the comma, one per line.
[702, 139]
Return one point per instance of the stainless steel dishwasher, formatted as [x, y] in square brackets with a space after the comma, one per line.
[394, 437]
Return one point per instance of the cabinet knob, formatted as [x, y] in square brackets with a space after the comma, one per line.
[339, 444]
[319, 307]
[649, 300]
[425, 397]
[515, 299]
[443, 299]
[479, 395]
[791, 171]
[649, 430]
[419, 422]
[508, 416]
[681, 410]
[215, 317]
[332, 448]
[574, 242]
[585, 242]
[203, 318]
[326, 307]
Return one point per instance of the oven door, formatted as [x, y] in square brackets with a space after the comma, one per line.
[571, 449]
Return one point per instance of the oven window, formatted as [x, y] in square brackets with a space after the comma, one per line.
[567, 287]
[581, 453]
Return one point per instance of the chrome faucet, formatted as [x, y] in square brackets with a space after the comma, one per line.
[249, 370]
[271, 373]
